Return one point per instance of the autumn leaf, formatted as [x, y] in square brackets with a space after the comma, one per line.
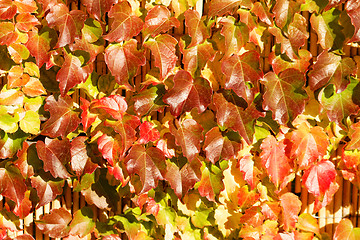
[211, 183]
[55, 224]
[115, 105]
[148, 133]
[247, 198]
[262, 11]
[39, 44]
[28, 6]
[280, 62]
[149, 100]
[352, 8]
[99, 8]
[345, 230]
[284, 95]
[110, 148]
[188, 93]
[63, 119]
[8, 10]
[149, 164]
[47, 189]
[248, 169]
[284, 12]
[25, 22]
[82, 223]
[7, 33]
[221, 7]
[12, 184]
[80, 161]
[198, 31]
[291, 206]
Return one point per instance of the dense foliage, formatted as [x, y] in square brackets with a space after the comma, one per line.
[186, 133]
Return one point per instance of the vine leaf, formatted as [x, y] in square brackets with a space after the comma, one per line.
[158, 20]
[148, 133]
[291, 206]
[346, 231]
[25, 22]
[275, 161]
[8, 10]
[125, 25]
[279, 63]
[352, 8]
[115, 105]
[80, 161]
[331, 68]
[12, 184]
[124, 60]
[47, 189]
[149, 164]
[55, 224]
[211, 183]
[188, 93]
[68, 23]
[39, 45]
[110, 148]
[198, 31]
[63, 120]
[284, 12]
[7, 33]
[284, 94]
[188, 135]
[222, 7]
[99, 8]
[82, 223]
[249, 171]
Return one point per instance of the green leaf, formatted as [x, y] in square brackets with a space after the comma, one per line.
[8, 123]
[31, 122]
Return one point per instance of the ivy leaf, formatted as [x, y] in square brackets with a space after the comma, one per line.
[82, 223]
[71, 73]
[149, 164]
[12, 184]
[39, 45]
[182, 180]
[8, 10]
[280, 62]
[291, 206]
[124, 60]
[284, 94]
[110, 148]
[249, 171]
[21, 162]
[352, 8]
[80, 161]
[307, 144]
[149, 100]
[262, 12]
[47, 189]
[307, 222]
[188, 93]
[7, 33]
[345, 231]
[99, 8]
[331, 68]
[221, 7]
[198, 31]
[25, 207]
[124, 25]
[115, 105]
[327, 28]
[34, 88]
[68, 23]
[246, 198]
[240, 70]
[148, 133]
[297, 32]
[339, 106]
[55, 154]
[188, 135]
[159, 20]
[87, 118]
[236, 118]
[28, 6]
[284, 11]
[163, 49]
[55, 224]
[93, 49]
[11, 143]
[25, 22]
[319, 177]
[236, 35]
[211, 183]
[63, 120]
[275, 161]
[31, 122]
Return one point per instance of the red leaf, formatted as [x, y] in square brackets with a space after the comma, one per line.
[147, 100]
[148, 133]
[63, 120]
[249, 171]
[271, 210]
[87, 118]
[94, 49]
[345, 231]
[319, 177]
[125, 25]
[211, 183]
[115, 105]
[167, 144]
[39, 45]
[188, 93]
[151, 206]
[22, 164]
[280, 64]
[110, 148]
[26, 6]
[242, 69]
[261, 10]
[124, 60]
[284, 95]
[47, 189]
[55, 154]
[247, 198]
[253, 217]
[307, 144]
[221, 7]
[7, 33]
[7, 9]
[163, 49]
[80, 161]
[25, 22]
[275, 161]
[56, 223]
[188, 135]
[284, 11]
[159, 20]
[352, 8]
[99, 8]
[198, 31]
[291, 206]
[149, 164]
[34, 88]
[68, 23]
[12, 184]
[82, 223]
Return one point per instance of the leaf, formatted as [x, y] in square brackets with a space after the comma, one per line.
[188, 135]
[115, 105]
[25, 22]
[68, 23]
[307, 144]
[318, 177]
[26, 169]
[284, 11]
[26, 6]
[236, 35]
[291, 206]
[241, 70]
[188, 93]
[56, 223]
[331, 68]
[149, 100]
[158, 20]
[280, 62]
[12, 184]
[262, 11]
[221, 7]
[80, 161]
[284, 95]
[197, 29]
[249, 171]
[99, 8]
[345, 231]
[352, 9]
[211, 183]
[124, 60]
[246, 198]
[82, 223]
[87, 118]
[31, 122]
[275, 161]
[39, 45]
[110, 148]
[11, 143]
[63, 120]
[55, 154]
[184, 179]
[298, 32]
[339, 106]
[8, 123]
[163, 49]
[7, 33]
[148, 133]
[7, 10]
[92, 50]
[231, 116]
[47, 189]
[307, 222]
[328, 29]
[149, 164]
[125, 25]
